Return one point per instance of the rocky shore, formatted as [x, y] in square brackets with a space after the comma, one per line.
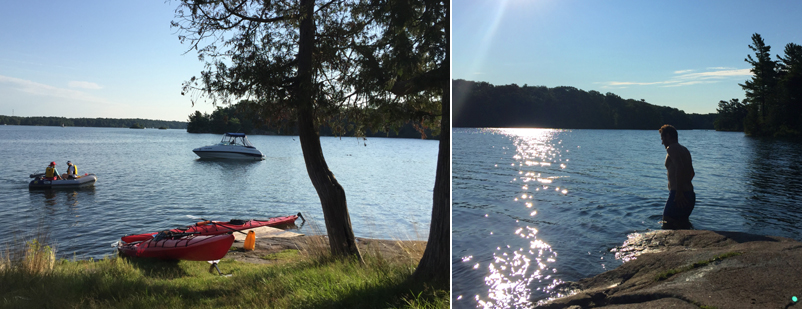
[695, 269]
[271, 241]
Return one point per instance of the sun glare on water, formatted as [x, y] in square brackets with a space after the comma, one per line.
[514, 270]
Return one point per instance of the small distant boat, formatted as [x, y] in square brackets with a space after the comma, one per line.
[39, 182]
[220, 227]
[181, 246]
[232, 146]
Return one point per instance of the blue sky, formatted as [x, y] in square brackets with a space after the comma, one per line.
[121, 59]
[113, 59]
[683, 54]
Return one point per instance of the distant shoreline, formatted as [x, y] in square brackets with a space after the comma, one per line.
[91, 122]
[406, 135]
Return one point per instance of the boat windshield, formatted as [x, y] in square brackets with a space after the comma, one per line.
[235, 140]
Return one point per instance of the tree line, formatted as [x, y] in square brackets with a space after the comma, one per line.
[773, 103]
[241, 118]
[480, 104]
[90, 122]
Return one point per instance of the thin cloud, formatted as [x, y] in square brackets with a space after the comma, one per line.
[84, 85]
[35, 88]
[632, 83]
[717, 74]
[687, 78]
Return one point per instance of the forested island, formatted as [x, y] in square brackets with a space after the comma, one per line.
[480, 104]
[238, 118]
[773, 103]
[91, 122]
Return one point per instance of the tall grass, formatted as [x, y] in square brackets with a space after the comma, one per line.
[30, 277]
[29, 256]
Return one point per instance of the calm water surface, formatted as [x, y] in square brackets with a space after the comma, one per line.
[533, 208]
[149, 180]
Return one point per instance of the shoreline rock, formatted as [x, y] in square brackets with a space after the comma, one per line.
[692, 269]
[273, 241]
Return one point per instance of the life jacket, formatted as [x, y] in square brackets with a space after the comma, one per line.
[50, 172]
[72, 170]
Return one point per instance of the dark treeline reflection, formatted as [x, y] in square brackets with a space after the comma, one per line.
[774, 182]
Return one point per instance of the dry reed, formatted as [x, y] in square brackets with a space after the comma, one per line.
[32, 256]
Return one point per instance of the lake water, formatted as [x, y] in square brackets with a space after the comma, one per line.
[533, 208]
[150, 180]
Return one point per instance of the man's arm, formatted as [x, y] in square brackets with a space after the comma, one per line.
[680, 167]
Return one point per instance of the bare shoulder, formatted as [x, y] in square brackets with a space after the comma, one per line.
[677, 149]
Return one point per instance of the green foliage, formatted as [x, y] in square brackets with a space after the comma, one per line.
[774, 93]
[238, 118]
[144, 283]
[731, 116]
[403, 61]
[479, 104]
[363, 49]
[222, 120]
[90, 122]
[283, 255]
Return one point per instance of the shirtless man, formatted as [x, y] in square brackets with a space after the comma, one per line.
[681, 198]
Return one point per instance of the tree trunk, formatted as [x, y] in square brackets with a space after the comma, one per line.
[332, 195]
[434, 266]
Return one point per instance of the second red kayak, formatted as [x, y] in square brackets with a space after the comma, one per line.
[219, 227]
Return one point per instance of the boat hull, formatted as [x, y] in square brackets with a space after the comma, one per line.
[218, 227]
[229, 152]
[84, 181]
[191, 248]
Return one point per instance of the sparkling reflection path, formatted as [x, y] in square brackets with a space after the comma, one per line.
[537, 158]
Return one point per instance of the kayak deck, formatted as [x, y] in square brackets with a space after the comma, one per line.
[220, 227]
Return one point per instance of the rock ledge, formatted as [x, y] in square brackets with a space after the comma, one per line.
[695, 268]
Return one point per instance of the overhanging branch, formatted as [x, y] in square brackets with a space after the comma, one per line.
[430, 79]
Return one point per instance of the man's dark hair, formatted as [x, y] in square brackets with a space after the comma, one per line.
[669, 130]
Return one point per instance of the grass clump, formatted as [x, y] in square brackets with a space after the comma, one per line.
[671, 272]
[31, 257]
[282, 255]
[304, 279]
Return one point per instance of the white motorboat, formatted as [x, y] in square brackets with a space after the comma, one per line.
[40, 182]
[232, 146]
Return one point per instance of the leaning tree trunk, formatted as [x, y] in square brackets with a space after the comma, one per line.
[433, 267]
[332, 195]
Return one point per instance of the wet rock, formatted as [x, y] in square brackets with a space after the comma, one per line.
[695, 268]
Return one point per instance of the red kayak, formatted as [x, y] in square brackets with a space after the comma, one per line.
[219, 227]
[182, 247]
